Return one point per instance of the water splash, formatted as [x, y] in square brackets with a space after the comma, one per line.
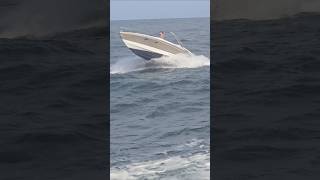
[126, 65]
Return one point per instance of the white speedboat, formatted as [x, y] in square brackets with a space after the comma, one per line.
[149, 47]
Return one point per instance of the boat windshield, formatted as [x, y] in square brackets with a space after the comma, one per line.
[171, 36]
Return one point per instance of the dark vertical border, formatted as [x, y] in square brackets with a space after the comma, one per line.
[211, 90]
[108, 86]
[54, 92]
[265, 90]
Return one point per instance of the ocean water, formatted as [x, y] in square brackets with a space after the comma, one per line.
[160, 110]
[266, 98]
[53, 106]
[54, 89]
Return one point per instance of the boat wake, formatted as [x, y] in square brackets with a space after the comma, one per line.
[126, 65]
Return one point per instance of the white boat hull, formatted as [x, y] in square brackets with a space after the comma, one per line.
[149, 47]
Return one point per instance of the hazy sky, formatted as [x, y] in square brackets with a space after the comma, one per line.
[155, 9]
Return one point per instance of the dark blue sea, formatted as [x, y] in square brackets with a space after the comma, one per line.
[266, 98]
[160, 109]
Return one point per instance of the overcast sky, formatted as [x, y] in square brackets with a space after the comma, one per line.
[157, 9]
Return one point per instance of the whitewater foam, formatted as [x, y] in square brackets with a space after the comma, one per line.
[130, 64]
[191, 166]
[196, 166]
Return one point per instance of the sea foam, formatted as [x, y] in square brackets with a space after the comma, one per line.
[196, 166]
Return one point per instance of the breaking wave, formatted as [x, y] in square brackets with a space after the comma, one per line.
[129, 64]
[263, 9]
[38, 18]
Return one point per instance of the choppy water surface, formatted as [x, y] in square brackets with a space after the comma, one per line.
[266, 95]
[160, 109]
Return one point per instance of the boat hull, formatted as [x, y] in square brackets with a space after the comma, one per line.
[147, 55]
[149, 47]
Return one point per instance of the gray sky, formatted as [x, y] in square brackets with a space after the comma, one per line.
[157, 9]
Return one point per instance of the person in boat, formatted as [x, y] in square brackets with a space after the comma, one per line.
[162, 34]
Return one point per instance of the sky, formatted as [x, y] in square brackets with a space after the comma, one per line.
[158, 9]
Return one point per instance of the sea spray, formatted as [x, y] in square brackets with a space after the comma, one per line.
[127, 64]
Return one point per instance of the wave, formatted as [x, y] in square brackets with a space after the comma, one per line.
[192, 166]
[129, 64]
[37, 18]
[263, 9]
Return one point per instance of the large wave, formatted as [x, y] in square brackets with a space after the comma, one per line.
[261, 9]
[129, 64]
[41, 17]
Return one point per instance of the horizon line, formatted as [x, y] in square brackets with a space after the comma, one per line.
[159, 18]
